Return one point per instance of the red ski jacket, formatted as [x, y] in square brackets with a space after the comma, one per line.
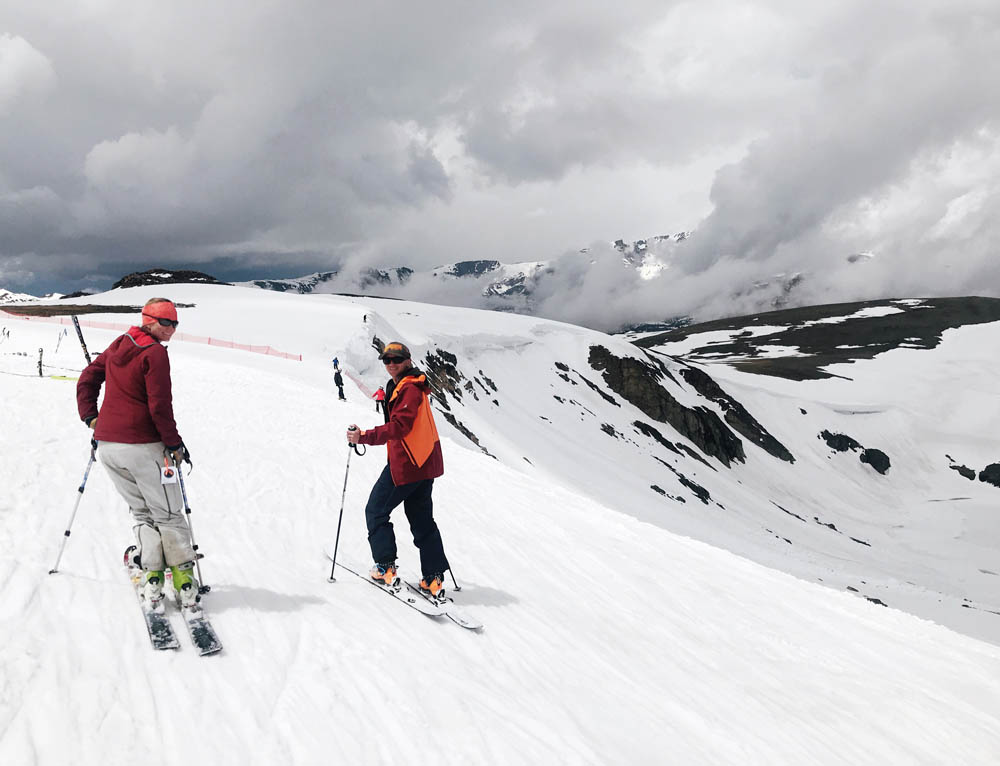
[413, 445]
[138, 405]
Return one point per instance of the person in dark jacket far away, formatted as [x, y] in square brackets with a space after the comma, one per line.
[338, 381]
[137, 437]
[415, 460]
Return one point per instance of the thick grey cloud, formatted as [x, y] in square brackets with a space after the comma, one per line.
[280, 138]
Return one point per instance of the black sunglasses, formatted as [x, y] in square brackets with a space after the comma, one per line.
[392, 360]
[167, 322]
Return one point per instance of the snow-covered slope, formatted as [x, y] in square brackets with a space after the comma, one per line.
[7, 296]
[609, 638]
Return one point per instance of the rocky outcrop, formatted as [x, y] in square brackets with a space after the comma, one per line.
[839, 442]
[165, 277]
[991, 474]
[876, 458]
[640, 383]
[736, 414]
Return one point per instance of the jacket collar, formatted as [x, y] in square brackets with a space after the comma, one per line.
[140, 337]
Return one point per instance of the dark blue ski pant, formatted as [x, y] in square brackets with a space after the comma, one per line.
[419, 508]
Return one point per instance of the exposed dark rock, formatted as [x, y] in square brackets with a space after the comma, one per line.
[657, 489]
[460, 427]
[736, 414]
[77, 294]
[699, 491]
[860, 542]
[820, 345]
[787, 511]
[876, 601]
[472, 268]
[165, 277]
[444, 376]
[991, 474]
[55, 310]
[505, 288]
[380, 277]
[489, 382]
[639, 383]
[651, 432]
[303, 286]
[839, 442]
[567, 378]
[965, 471]
[595, 387]
[825, 524]
[877, 459]
[610, 430]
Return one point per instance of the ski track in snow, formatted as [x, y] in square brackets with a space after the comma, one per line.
[607, 640]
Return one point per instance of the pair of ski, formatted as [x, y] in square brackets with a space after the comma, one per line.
[161, 632]
[411, 595]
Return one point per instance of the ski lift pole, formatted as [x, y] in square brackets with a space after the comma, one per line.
[79, 497]
[202, 588]
[343, 495]
[79, 334]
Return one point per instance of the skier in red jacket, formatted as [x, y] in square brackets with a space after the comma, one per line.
[137, 435]
[415, 460]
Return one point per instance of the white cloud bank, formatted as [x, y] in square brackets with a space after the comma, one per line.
[287, 136]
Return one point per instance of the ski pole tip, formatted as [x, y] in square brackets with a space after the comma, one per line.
[331, 579]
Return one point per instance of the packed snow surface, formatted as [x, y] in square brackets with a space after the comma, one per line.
[608, 639]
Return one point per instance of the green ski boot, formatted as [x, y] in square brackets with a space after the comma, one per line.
[152, 587]
[185, 584]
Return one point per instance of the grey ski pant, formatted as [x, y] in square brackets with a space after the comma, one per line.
[161, 531]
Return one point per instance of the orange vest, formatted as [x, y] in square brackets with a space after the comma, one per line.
[419, 443]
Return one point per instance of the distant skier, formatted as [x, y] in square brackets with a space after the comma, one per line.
[415, 460]
[338, 381]
[379, 397]
[136, 433]
[336, 363]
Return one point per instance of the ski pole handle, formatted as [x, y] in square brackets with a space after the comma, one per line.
[361, 451]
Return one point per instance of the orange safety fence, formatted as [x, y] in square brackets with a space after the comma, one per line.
[182, 336]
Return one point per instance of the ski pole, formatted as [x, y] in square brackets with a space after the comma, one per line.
[336, 544]
[79, 334]
[202, 588]
[79, 497]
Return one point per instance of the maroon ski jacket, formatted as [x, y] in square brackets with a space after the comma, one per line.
[138, 405]
[413, 445]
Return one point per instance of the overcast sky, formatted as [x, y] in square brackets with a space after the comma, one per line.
[263, 139]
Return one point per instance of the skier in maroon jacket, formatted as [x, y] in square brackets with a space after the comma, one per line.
[414, 461]
[137, 437]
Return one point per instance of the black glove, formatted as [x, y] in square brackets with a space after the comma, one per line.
[91, 422]
[180, 453]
